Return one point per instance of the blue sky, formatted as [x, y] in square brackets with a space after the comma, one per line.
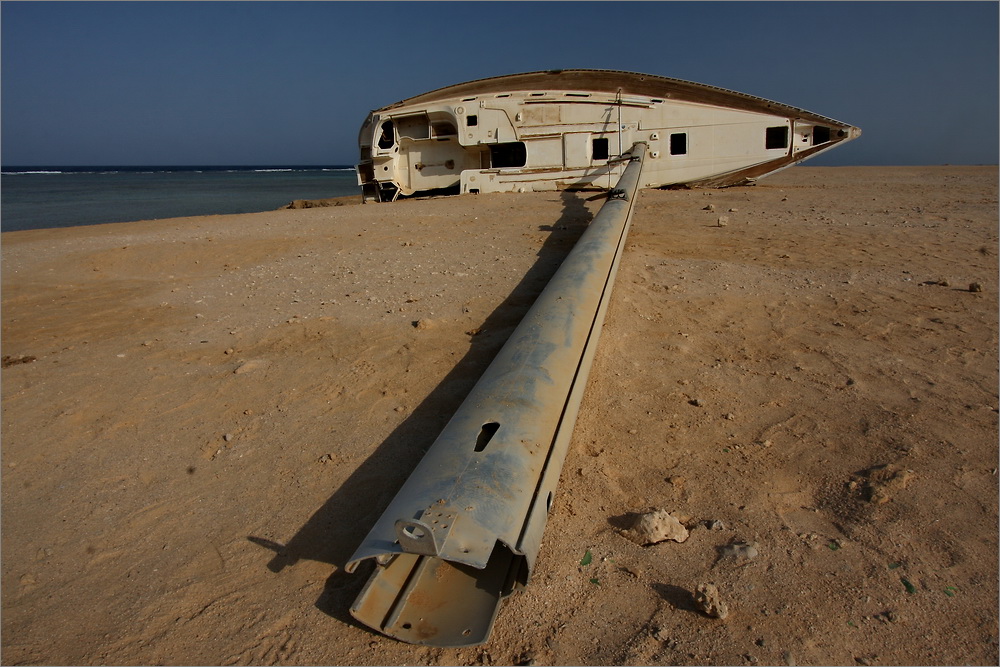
[240, 83]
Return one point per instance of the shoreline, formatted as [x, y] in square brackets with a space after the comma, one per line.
[355, 199]
[322, 203]
[68, 199]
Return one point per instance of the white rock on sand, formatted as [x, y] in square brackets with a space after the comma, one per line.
[708, 599]
[655, 527]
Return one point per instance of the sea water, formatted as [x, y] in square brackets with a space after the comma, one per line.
[44, 197]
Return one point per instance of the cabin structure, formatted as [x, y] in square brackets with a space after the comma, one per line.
[565, 129]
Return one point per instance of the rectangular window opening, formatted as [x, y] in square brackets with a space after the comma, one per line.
[679, 143]
[472, 121]
[509, 155]
[776, 137]
[821, 134]
[600, 148]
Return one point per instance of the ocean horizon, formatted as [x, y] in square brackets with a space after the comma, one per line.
[49, 196]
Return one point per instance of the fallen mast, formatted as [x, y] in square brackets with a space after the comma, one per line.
[465, 529]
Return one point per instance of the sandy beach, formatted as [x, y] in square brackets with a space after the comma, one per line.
[203, 417]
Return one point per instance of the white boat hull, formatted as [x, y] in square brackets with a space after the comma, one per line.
[563, 129]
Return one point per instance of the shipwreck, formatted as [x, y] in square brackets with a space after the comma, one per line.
[465, 529]
[565, 128]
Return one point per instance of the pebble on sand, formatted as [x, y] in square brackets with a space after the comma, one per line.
[885, 481]
[708, 600]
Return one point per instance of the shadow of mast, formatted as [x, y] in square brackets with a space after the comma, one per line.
[335, 530]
